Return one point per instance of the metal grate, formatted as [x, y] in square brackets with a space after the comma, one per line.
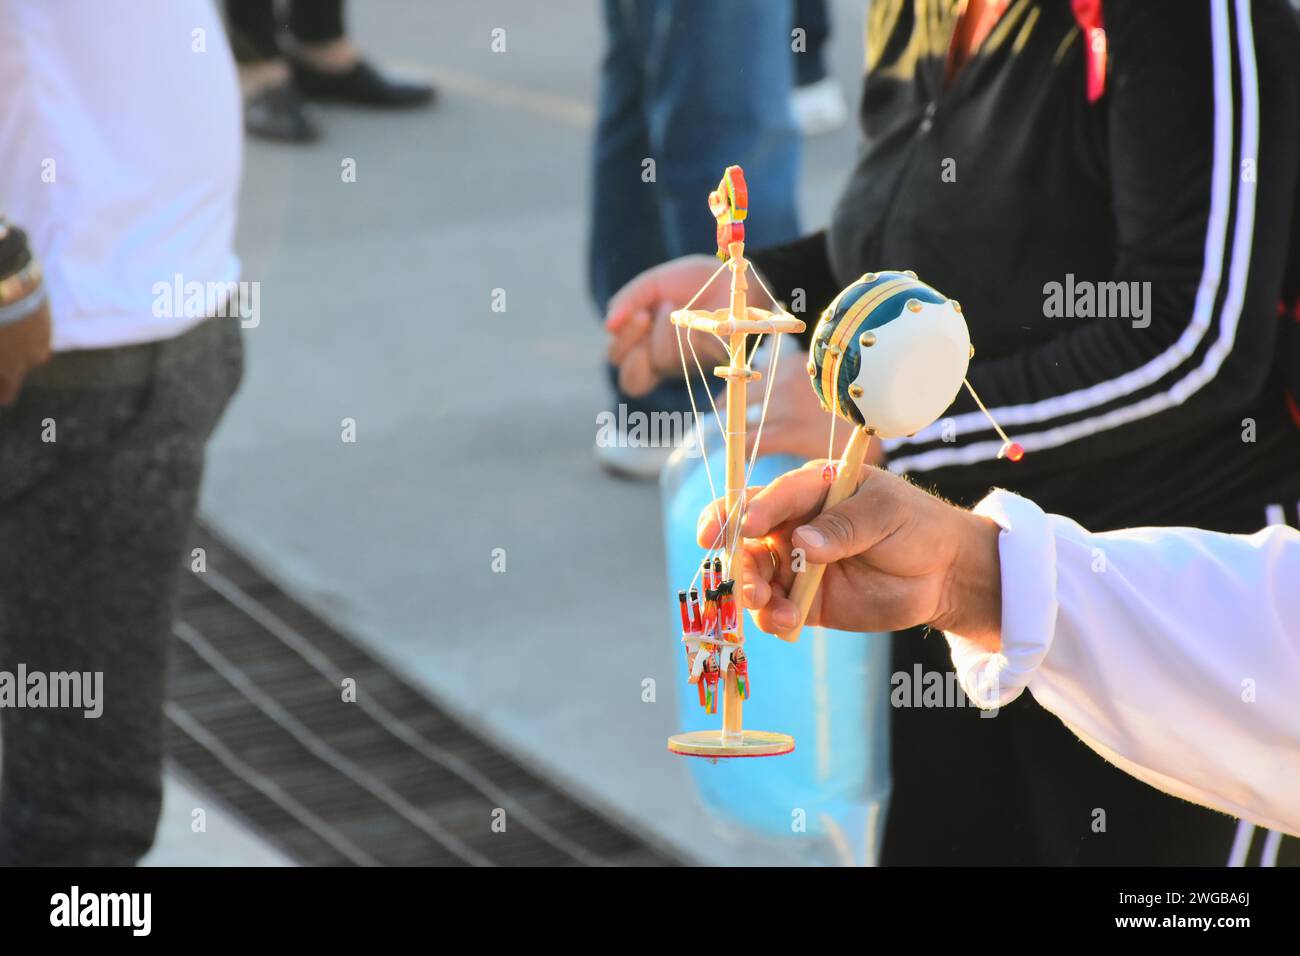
[255, 715]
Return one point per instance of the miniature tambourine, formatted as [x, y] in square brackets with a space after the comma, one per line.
[890, 354]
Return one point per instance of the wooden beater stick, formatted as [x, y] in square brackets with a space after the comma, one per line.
[809, 579]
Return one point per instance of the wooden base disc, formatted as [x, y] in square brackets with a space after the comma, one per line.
[709, 743]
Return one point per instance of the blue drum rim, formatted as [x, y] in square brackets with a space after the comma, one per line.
[850, 360]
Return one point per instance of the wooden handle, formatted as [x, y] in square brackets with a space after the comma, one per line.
[737, 375]
[808, 580]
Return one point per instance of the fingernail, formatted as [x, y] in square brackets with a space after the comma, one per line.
[786, 618]
[747, 593]
[811, 536]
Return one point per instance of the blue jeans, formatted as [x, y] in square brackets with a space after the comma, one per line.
[695, 86]
[814, 19]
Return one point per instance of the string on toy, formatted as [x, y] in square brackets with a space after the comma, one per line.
[1009, 449]
[686, 374]
[737, 511]
[776, 358]
[830, 442]
[704, 378]
[718, 539]
[717, 417]
[763, 285]
[695, 415]
[743, 500]
[724, 521]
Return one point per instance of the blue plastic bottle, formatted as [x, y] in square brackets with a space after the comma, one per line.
[825, 803]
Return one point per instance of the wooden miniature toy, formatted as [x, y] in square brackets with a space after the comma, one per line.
[715, 646]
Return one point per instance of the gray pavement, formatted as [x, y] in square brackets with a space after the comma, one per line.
[473, 428]
[195, 831]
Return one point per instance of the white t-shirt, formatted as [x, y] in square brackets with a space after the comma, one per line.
[120, 152]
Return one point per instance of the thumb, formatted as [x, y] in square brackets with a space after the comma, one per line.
[840, 532]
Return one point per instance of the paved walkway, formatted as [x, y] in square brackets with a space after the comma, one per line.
[221, 841]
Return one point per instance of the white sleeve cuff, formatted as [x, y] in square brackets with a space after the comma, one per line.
[1027, 548]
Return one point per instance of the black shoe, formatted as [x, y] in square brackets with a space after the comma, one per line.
[362, 84]
[279, 113]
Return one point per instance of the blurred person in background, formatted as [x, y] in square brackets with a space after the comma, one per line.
[687, 87]
[108, 392]
[818, 102]
[1015, 149]
[322, 64]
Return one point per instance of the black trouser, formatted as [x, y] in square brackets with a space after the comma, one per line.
[253, 25]
[100, 460]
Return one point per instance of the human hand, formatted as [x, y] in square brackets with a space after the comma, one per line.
[643, 341]
[896, 557]
[24, 345]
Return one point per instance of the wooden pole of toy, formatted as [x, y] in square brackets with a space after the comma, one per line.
[737, 376]
[807, 581]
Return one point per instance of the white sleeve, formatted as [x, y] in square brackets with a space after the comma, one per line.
[1172, 652]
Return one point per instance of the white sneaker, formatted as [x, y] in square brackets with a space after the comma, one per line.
[819, 107]
[637, 463]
